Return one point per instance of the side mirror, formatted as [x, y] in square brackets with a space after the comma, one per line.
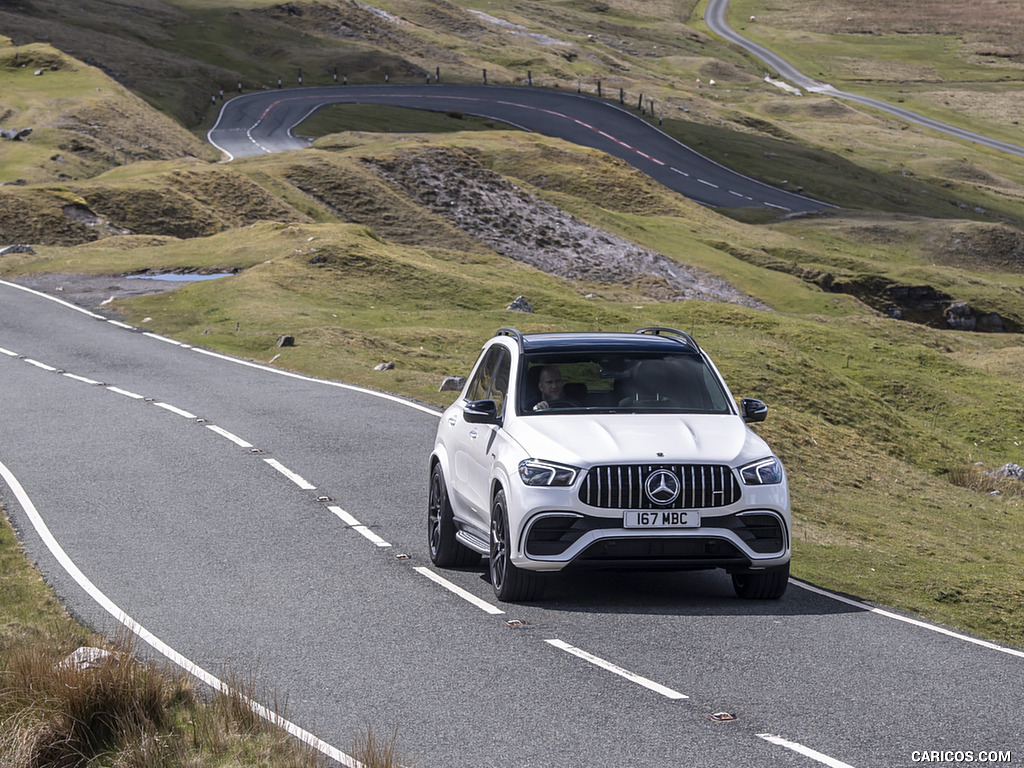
[753, 410]
[481, 412]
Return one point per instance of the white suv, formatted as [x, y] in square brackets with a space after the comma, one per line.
[605, 450]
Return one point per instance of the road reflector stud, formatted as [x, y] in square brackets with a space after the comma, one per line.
[722, 717]
[402, 556]
[324, 499]
[514, 623]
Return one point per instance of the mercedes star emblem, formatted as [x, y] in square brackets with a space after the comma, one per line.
[662, 487]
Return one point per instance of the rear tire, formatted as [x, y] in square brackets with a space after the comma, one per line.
[769, 584]
[511, 584]
[445, 550]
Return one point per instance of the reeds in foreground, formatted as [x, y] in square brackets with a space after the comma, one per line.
[59, 712]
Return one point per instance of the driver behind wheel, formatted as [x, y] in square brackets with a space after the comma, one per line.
[550, 385]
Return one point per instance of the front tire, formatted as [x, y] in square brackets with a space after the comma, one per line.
[769, 584]
[511, 584]
[445, 550]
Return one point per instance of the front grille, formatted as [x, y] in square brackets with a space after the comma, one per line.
[703, 486]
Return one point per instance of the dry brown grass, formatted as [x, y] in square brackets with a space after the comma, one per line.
[994, 21]
[978, 479]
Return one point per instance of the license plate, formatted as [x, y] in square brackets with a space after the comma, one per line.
[661, 518]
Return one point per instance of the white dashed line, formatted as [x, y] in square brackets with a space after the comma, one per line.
[455, 589]
[37, 364]
[814, 754]
[230, 436]
[358, 527]
[297, 479]
[173, 409]
[708, 183]
[83, 379]
[125, 392]
[8, 352]
[615, 669]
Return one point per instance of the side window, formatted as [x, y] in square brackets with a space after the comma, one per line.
[480, 385]
[490, 382]
[499, 385]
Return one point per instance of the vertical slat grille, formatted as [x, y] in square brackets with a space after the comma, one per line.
[621, 486]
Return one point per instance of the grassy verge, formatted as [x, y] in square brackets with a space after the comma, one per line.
[121, 709]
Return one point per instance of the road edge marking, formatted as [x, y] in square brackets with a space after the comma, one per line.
[909, 620]
[152, 640]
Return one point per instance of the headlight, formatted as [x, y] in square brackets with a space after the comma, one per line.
[539, 473]
[763, 472]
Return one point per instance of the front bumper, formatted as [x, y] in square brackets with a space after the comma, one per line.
[555, 532]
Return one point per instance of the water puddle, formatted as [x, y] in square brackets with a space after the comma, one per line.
[176, 277]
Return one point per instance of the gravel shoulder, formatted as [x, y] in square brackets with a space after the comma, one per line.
[93, 292]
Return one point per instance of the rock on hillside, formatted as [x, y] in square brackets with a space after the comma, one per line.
[528, 229]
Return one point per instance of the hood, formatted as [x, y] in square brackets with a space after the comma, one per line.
[584, 440]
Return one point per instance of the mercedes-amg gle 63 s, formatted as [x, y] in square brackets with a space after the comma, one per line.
[605, 450]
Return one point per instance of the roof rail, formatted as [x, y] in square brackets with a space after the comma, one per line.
[514, 333]
[683, 337]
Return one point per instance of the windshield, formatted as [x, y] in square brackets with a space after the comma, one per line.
[619, 382]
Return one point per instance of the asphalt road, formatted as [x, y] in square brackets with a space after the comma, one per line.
[127, 465]
[714, 16]
[262, 122]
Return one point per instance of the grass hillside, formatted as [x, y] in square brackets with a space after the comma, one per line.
[886, 417]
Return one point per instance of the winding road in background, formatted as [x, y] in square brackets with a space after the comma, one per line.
[714, 17]
[262, 122]
[247, 521]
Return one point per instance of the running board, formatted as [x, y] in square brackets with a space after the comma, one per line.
[473, 541]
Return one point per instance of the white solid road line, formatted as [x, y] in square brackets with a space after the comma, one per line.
[909, 620]
[152, 640]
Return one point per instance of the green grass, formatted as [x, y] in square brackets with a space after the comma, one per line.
[338, 118]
